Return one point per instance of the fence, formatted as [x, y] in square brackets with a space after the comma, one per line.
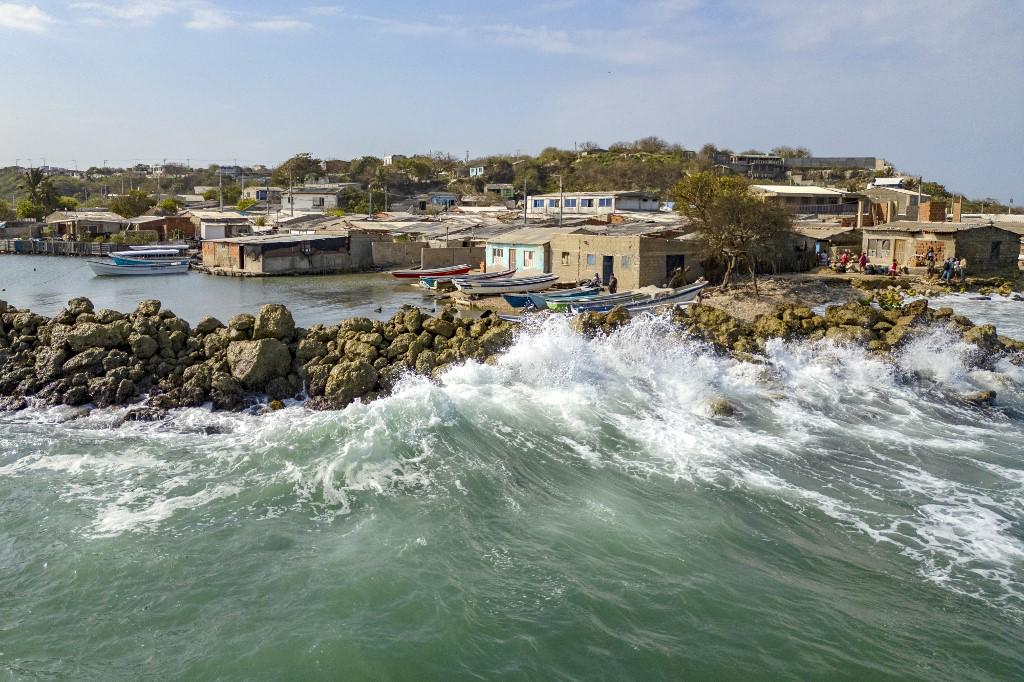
[46, 247]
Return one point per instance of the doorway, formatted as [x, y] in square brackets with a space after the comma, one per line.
[672, 262]
[607, 266]
[511, 259]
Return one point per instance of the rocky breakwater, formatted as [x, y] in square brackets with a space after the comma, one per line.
[103, 357]
[881, 331]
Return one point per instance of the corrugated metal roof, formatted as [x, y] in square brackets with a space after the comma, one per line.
[798, 190]
[277, 238]
[938, 228]
[532, 235]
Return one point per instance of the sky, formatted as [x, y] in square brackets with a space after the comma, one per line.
[937, 89]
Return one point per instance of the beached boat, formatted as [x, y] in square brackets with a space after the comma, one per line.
[511, 285]
[536, 300]
[559, 304]
[143, 256]
[431, 282]
[681, 296]
[112, 269]
[417, 273]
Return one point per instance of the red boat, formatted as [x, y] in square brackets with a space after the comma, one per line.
[433, 272]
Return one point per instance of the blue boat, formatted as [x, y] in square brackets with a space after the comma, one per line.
[531, 299]
[681, 296]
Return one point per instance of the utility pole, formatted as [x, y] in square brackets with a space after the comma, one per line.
[220, 187]
[561, 199]
[291, 192]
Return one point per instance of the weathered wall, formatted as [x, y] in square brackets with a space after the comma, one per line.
[455, 255]
[638, 261]
[988, 249]
[395, 254]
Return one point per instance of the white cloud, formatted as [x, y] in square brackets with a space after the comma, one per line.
[325, 10]
[138, 12]
[24, 17]
[209, 19]
[281, 25]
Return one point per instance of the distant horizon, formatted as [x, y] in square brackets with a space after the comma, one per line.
[130, 80]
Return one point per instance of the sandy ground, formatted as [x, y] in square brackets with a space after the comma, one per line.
[810, 290]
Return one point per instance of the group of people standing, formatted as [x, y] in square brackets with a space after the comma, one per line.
[951, 267]
[613, 283]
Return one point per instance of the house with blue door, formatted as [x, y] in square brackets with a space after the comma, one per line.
[527, 249]
[590, 203]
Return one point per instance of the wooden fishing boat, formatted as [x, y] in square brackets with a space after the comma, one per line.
[531, 299]
[511, 285]
[417, 273]
[431, 282]
[112, 269]
[683, 295]
[584, 302]
[143, 256]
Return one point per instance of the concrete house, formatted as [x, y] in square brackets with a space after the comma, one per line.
[263, 193]
[310, 198]
[215, 224]
[590, 203]
[637, 260]
[905, 200]
[83, 225]
[807, 199]
[988, 249]
[288, 254]
[528, 250]
[167, 228]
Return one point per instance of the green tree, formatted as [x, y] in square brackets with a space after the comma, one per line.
[29, 210]
[936, 190]
[134, 203]
[735, 225]
[170, 205]
[232, 193]
[211, 195]
[245, 204]
[297, 169]
[6, 212]
[792, 152]
[41, 191]
[67, 203]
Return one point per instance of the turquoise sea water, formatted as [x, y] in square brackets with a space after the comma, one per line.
[574, 511]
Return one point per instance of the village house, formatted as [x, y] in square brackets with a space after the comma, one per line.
[638, 256]
[215, 224]
[590, 203]
[527, 249]
[288, 254]
[503, 190]
[904, 201]
[311, 198]
[808, 199]
[82, 225]
[987, 248]
[167, 228]
[263, 193]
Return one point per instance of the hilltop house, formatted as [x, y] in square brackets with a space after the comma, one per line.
[808, 199]
[904, 200]
[263, 193]
[590, 203]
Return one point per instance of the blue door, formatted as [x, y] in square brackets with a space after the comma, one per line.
[607, 268]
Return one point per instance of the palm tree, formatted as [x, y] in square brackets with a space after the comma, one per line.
[41, 191]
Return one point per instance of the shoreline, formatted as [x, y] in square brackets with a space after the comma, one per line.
[156, 361]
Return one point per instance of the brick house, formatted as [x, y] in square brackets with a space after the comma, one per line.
[988, 248]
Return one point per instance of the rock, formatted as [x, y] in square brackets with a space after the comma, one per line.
[76, 395]
[89, 360]
[50, 362]
[943, 313]
[243, 322]
[216, 342]
[358, 349]
[413, 321]
[356, 324]
[350, 380]
[849, 334]
[439, 326]
[770, 327]
[851, 315]
[980, 398]
[93, 335]
[274, 321]
[309, 349]
[208, 325]
[143, 347]
[915, 309]
[496, 339]
[106, 316]
[279, 389]
[226, 392]
[255, 362]
[897, 334]
[425, 362]
[275, 405]
[148, 308]
[616, 317]
[984, 336]
[79, 306]
[719, 407]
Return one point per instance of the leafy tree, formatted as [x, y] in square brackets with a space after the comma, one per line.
[792, 152]
[245, 204]
[232, 193]
[132, 204]
[358, 201]
[297, 168]
[6, 212]
[41, 191]
[936, 190]
[29, 210]
[211, 195]
[735, 225]
[67, 203]
[170, 205]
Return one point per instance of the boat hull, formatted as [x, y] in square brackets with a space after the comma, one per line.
[536, 300]
[510, 286]
[115, 270]
[682, 296]
[453, 270]
[431, 282]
